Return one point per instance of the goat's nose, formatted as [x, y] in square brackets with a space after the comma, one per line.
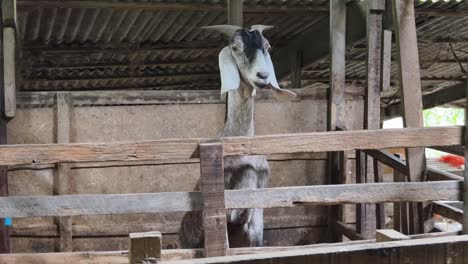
[262, 75]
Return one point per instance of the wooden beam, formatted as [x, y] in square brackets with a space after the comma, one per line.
[386, 58]
[5, 224]
[249, 10]
[448, 211]
[434, 174]
[336, 114]
[62, 173]
[465, 173]
[385, 235]
[388, 159]
[154, 97]
[259, 145]
[145, 247]
[70, 205]
[444, 96]
[9, 74]
[372, 215]
[9, 14]
[214, 208]
[345, 230]
[419, 251]
[455, 150]
[409, 74]
[296, 69]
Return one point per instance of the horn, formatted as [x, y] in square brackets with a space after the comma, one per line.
[227, 30]
[261, 28]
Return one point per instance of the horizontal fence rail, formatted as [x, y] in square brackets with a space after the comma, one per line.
[259, 145]
[69, 205]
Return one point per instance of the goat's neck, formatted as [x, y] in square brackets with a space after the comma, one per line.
[239, 121]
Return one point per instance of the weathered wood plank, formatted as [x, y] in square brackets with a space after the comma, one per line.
[258, 145]
[465, 173]
[410, 250]
[336, 114]
[145, 247]
[384, 235]
[150, 97]
[386, 59]
[369, 217]
[388, 159]
[9, 14]
[214, 208]
[446, 210]
[69, 205]
[438, 175]
[345, 230]
[61, 176]
[409, 74]
[9, 73]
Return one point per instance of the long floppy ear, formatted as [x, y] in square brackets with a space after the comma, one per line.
[230, 78]
[280, 94]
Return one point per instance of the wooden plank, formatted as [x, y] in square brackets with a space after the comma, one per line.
[410, 250]
[441, 97]
[145, 247]
[347, 231]
[296, 70]
[153, 97]
[465, 173]
[446, 210]
[396, 207]
[369, 217]
[388, 159]
[62, 175]
[379, 208]
[386, 60]
[336, 114]
[258, 145]
[384, 235]
[409, 74]
[9, 14]
[214, 208]
[156, 6]
[4, 225]
[438, 175]
[9, 74]
[69, 205]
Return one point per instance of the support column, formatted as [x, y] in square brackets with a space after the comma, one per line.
[62, 174]
[410, 81]
[465, 173]
[214, 208]
[336, 106]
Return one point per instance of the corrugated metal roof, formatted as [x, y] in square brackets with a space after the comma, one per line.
[85, 45]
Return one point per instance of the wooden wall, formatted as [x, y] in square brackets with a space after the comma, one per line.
[290, 226]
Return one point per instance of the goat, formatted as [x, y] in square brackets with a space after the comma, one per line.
[245, 65]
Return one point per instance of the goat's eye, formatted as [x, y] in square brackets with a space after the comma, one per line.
[234, 48]
[269, 49]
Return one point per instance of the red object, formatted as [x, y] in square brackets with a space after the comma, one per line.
[452, 160]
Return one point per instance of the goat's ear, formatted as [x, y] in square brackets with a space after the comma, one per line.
[280, 94]
[230, 78]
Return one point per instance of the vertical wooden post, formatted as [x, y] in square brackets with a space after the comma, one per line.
[61, 176]
[336, 104]
[9, 60]
[386, 60]
[465, 173]
[410, 81]
[296, 70]
[4, 225]
[145, 247]
[212, 186]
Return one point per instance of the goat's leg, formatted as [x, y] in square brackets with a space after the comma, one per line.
[255, 228]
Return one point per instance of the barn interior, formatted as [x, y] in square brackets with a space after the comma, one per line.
[141, 70]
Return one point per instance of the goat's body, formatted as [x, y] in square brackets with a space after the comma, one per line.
[245, 226]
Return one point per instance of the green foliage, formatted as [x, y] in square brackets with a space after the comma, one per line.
[440, 116]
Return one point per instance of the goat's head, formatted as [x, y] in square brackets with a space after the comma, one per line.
[247, 57]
